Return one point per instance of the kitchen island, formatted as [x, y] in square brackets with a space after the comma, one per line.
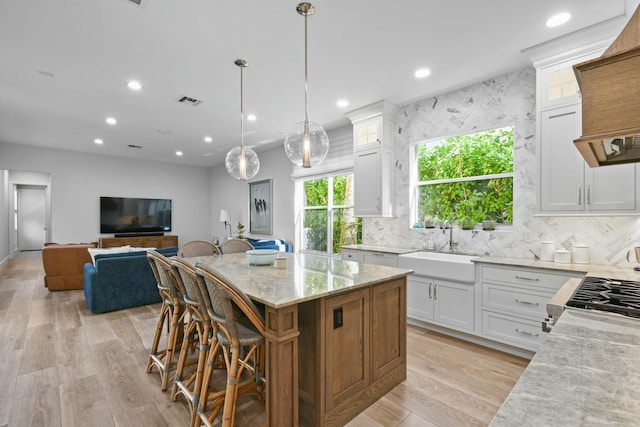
[587, 373]
[335, 333]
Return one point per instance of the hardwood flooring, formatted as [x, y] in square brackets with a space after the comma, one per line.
[62, 366]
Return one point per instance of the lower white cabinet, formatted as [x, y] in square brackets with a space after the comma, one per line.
[444, 303]
[370, 257]
[513, 303]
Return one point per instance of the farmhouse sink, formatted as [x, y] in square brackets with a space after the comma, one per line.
[440, 265]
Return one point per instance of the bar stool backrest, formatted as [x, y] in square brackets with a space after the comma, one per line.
[198, 248]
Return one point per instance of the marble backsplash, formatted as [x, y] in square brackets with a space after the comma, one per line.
[502, 101]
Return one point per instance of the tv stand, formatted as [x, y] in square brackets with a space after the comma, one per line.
[139, 241]
[142, 234]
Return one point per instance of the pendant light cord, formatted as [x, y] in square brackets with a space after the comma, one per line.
[241, 109]
[306, 84]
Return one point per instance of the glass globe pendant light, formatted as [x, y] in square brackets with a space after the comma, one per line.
[306, 143]
[242, 162]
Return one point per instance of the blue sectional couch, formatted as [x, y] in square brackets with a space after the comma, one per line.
[277, 244]
[121, 280]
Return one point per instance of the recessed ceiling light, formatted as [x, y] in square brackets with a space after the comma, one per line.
[251, 117]
[208, 139]
[134, 85]
[111, 120]
[342, 103]
[558, 19]
[422, 73]
[98, 141]
[178, 153]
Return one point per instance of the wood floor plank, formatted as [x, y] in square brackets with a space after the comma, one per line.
[63, 366]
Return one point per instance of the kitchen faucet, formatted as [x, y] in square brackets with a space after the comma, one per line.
[447, 224]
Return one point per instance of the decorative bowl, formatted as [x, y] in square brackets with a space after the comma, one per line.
[261, 256]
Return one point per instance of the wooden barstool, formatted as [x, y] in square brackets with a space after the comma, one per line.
[171, 313]
[198, 331]
[242, 342]
[198, 248]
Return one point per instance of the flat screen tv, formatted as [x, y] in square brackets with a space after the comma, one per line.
[134, 215]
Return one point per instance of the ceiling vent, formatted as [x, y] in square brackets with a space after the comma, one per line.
[134, 146]
[189, 101]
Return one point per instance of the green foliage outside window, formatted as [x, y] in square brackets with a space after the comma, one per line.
[467, 164]
[317, 205]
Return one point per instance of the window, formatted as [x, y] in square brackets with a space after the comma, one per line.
[466, 178]
[326, 215]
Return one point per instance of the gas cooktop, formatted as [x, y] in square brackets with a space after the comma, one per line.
[598, 293]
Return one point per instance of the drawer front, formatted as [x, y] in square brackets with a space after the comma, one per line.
[349, 255]
[516, 300]
[379, 258]
[513, 330]
[529, 278]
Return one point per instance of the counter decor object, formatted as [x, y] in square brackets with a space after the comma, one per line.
[261, 256]
[488, 225]
[280, 262]
[547, 249]
[580, 254]
[562, 256]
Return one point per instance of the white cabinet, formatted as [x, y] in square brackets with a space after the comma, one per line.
[373, 163]
[513, 303]
[567, 183]
[370, 257]
[441, 302]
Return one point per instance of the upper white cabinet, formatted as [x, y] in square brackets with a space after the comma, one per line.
[373, 163]
[566, 184]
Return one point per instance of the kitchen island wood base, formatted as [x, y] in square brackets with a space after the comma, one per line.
[352, 351]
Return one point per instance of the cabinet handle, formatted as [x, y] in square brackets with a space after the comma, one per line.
[435, 291]
[580, 195]
[527, 278]
[526, 333]
[377, 254]
[378, 204]
[588, 194]
[430, 285]
[527, 302]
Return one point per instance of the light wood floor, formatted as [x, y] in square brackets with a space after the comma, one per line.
[62, 366]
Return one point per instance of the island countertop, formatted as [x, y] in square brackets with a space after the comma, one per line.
[587, 373]
[305, 278]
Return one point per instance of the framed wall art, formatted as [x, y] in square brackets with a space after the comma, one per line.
[260, 208]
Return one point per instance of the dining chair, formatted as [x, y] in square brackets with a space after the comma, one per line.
[242, 342]
[198, 248]
[171, 314]
[199, 333]
[233, 246]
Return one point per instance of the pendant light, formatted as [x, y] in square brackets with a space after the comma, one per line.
[242, 162]
[306, 143]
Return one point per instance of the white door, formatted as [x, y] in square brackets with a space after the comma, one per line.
[32, 230]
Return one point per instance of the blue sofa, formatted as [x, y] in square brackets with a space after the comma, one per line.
[121, 280]
[277, 244]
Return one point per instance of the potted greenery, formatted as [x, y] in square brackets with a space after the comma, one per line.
[240, 231]
[467, 223]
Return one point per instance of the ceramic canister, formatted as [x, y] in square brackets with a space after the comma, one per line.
[580, 254]
[546, 250]
[562, 255]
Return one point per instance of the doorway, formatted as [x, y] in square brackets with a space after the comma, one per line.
[31, 217]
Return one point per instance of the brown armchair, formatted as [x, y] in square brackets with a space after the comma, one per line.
[64, 265]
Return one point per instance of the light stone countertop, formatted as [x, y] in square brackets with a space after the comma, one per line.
[306, 277]
[383, 249]
[587, 373]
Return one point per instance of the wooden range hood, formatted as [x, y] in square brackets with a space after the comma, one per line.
[610, 89]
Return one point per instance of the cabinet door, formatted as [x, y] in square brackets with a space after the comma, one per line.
[366, 134]
[611, 188]
[453, 304]
[561, 166]
[389, 327]
[348, 346]
[367, 182]
[420, 298]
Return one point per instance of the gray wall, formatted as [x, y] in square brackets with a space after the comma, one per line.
[79, 179]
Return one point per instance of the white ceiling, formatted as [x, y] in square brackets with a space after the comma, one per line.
[64, 65]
